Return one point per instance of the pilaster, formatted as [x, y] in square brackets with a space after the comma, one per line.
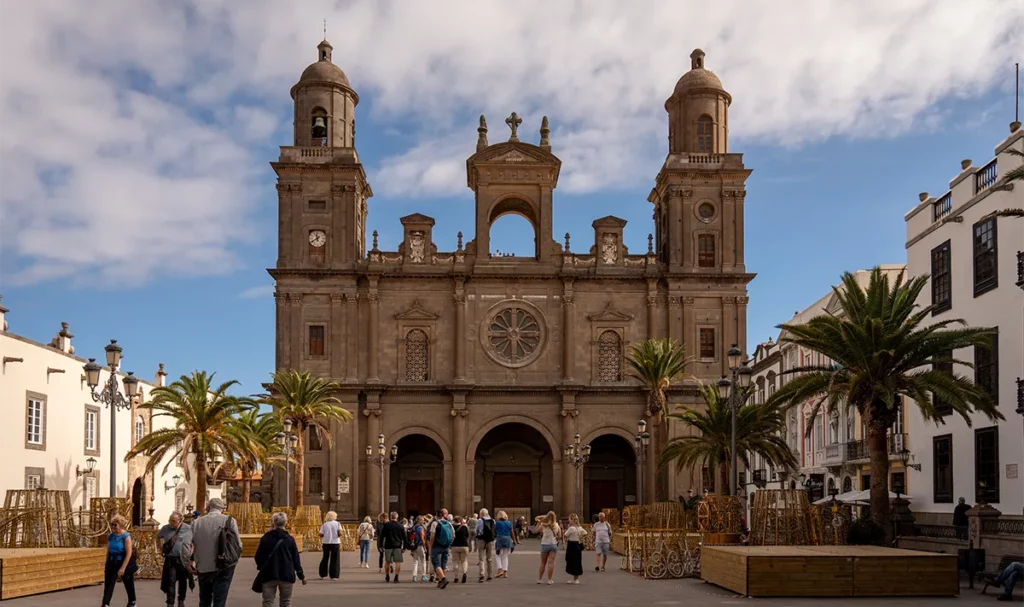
[352, 341]
[568, 333]
[337, 337]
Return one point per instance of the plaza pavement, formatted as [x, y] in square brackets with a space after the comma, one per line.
[365, 588]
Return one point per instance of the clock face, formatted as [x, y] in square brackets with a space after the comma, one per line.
[317, 238]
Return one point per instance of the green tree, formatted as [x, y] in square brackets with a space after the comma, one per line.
[1016, 174]
[202, 414]
[883, 354]
[311, 404]
[759, 431]
[656, 363]
[256, 434]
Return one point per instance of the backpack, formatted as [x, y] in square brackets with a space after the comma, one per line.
[443, 534]
[487, 535]
[229, 546]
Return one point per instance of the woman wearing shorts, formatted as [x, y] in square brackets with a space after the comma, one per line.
[549, 531]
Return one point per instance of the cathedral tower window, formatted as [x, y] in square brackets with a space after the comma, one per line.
[417, 356]
[316, 340]
[705, 134]
[706, 250]
[319, 127]
[707, 343]
[609, 357]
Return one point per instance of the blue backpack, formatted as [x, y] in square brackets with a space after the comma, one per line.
[443, 534]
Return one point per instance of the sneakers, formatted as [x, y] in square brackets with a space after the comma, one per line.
[481, 580]
[396, 578]
[597, 568]
[463, 578]
[387, 578]
[443, 583]
[551, 582]
[540, 581]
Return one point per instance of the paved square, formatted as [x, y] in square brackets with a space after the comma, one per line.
[613, 588]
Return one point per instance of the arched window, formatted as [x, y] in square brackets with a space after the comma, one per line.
[705, 134]
[847, 484]
[318, 131]
[140, 429]
[417, 355]
[609, 357]
[705, 250]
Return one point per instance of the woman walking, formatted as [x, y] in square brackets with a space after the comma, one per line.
[330, 541]
[366, 535]
[121, 563]
[383, 518]
[460, 550]
[549, 531]
[278, 564]
[505, 539]
[419, 559]
[574, 549]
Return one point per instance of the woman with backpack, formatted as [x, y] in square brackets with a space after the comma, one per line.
[366, 534]
[440, 542]
[504, 541]
[416, 550]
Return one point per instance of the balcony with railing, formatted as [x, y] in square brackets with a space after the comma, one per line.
[1020, 269]
[859, 450]
[942, 207]
[986, 176]
[835, 454]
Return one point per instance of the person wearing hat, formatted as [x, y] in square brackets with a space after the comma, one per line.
[214, 580]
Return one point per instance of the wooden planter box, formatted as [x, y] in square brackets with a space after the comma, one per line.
[829, 571]
[28, 571]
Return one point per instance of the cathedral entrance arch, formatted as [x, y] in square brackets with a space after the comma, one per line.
[514, 469]
[609, 477]
[417, 477]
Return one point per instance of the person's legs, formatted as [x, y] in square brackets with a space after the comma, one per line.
[335, 568]
[181, 579]
[129, 586]
[364, 551]
[501, 559]
[1008, 578]
[109, 579]
[543, 564]
[552, 557]
[481, 558]
[285, 588]
[380, 559]
[490, 559]
[387, 575]
[205, 589]
[269, 592]
[221, 586]
[417, 563]
[324, 560]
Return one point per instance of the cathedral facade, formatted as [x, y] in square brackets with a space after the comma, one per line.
[481, 368]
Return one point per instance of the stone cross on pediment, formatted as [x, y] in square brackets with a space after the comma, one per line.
[513, 123]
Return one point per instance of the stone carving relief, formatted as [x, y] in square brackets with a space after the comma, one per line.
[513, 333]
[417, 249]
[609, 249]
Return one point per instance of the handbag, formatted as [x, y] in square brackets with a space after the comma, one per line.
[168, 545]
[257, 583]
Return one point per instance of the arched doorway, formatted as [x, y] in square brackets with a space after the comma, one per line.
[610, 475]
[514, 470]
[417, 476]
[137, 499]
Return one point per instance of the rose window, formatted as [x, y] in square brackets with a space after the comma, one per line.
[514, 335]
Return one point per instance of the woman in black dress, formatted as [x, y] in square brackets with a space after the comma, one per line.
[574, 549]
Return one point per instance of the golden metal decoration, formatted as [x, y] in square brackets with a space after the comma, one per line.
[662, 553]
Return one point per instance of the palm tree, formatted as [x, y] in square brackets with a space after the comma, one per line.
[310, 403]
[656, 363]
[759, 431]
[257, 434]
[1016, 174]
[202, 415]
[883, 355]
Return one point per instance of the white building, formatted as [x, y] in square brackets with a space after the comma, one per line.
[974, 261]
[830, 449]
[55, 428]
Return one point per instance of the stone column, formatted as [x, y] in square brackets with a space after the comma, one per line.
[281, 351]
[460, 333]
[352, 340]
[686, 215]
[373, 472]
[568, 335]
[689, 333]
[568, 472]
[676, 237]
[337, 347]
[675, 331]
[728, 331]
[460, 502]
[373, 334]
[297, 329]
[651, 469]
[740, 254]
[652, 309]
[741, 322]
[728, 250]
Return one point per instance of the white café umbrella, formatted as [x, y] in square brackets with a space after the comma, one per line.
[858, 496]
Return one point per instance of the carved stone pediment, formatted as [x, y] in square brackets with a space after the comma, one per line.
[610, 221]
[417, 312]
[514, 153]
[417, 218]
[610, 313]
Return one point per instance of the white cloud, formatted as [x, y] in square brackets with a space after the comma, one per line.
[259, 292]
[126, 126]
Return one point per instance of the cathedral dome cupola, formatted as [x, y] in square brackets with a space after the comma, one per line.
[323, 70]
[698, 111]
[325, 104]
[698, 78]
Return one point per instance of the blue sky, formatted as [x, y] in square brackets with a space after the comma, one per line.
[139, 205]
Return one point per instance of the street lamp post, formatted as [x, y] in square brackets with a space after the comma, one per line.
[640, 441]
[382, 460]
[741, 374]
[289, 441]
[577, 455]
[111, 396]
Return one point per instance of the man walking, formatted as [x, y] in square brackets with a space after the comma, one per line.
[602, 542]
[485, 537]
[440, 542]
[392, 539]
[214, 576]
[177, 544]
[960, 520]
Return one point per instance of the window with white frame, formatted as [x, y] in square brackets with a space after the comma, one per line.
[34, 428]
[140, 429]
[33, 481]
[90, 430]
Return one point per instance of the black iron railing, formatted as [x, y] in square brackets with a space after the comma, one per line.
[858, 449]
[1020, 396]
[986, 176]
[943, 532]
[942, 207]
[1003, 526]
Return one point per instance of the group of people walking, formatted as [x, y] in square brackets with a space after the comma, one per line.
[438, 546]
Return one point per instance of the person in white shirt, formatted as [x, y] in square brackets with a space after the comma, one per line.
[366, 535]
[547, 527]
[574, 535]
[602, 542]
[330, 540]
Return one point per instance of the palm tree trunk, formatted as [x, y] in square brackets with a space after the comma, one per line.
[246, 486]
[300, 466]
[200, 483]
[724, 474]
[879, 454]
